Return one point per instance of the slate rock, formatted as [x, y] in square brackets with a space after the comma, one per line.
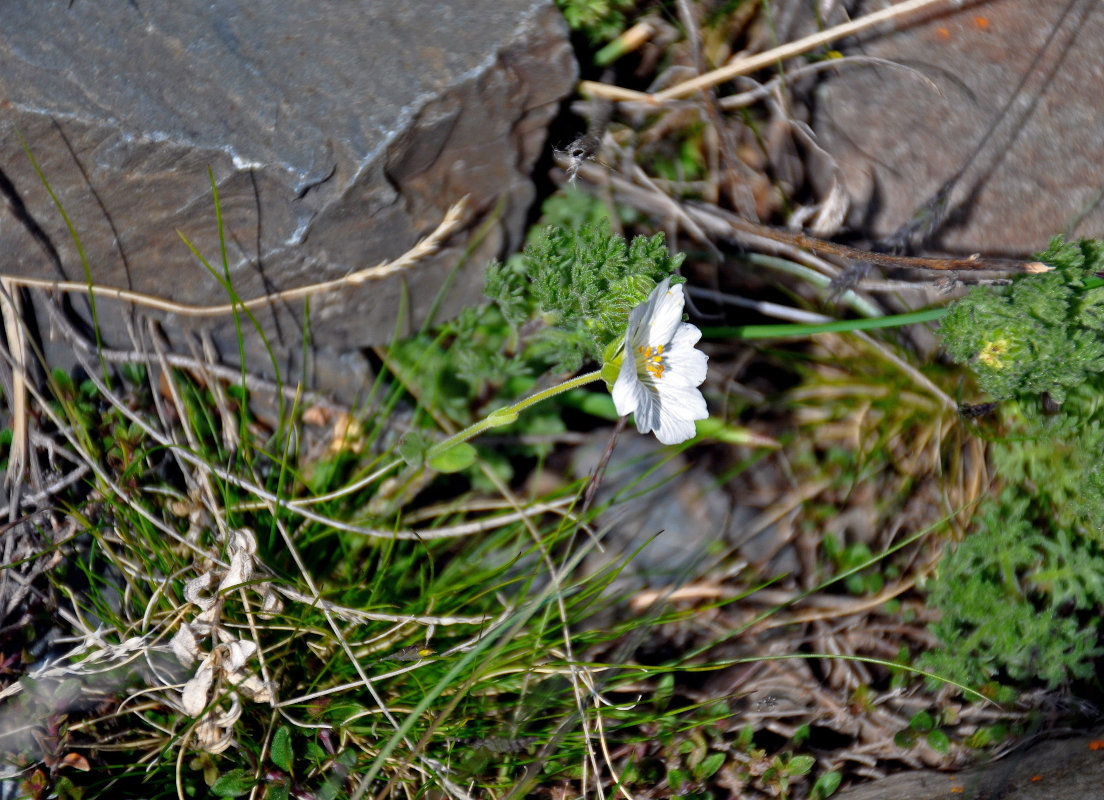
[1007, 92]
[338, 134]
[1060, 768]
[669, 538]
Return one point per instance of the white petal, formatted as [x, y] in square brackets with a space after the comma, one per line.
[668, 402]
[674, 430]
[648, 410]
[666, 314]
[686, 366]
[636, 333]
[687, 335]
[685, 402]
[627, 388]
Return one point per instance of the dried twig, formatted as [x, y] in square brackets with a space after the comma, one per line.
[744, 65]
[723, 225]
[426, 247]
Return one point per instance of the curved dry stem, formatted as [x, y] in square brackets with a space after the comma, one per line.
[426, 247]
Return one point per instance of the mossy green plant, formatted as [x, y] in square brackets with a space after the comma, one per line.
[1041, 334]
[1020, 597]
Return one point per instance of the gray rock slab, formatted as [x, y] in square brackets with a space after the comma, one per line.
[671, 538]
[338, 133]
[1062, 768]
[1002, 99]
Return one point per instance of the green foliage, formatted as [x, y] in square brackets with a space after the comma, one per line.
[782, 769]
[923, 726]
[850, 559]
[583, 281]
[281, 748]
[560, 303]
[600, 20]
[1019, 597]
[826, 785]
[456, 458]
[1041, 334]
[1017, 600]
[234, 783]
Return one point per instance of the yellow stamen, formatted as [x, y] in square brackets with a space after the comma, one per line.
[652, 360]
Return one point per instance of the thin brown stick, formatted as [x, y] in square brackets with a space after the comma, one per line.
[854, 254]
[721, 225]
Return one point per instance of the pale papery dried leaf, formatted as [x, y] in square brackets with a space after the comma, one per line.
[271, 604]
[832, 212]
[225, 718]
[241, 570]
[184, 645]
[243, 539]
[239, 653]
[254, 688]
[224, 636]
[193, 699]
[193, 591]
[199, 627]
[209, 617]
[212, 738]
[132, 644]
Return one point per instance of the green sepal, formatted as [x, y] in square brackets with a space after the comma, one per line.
[611, 362]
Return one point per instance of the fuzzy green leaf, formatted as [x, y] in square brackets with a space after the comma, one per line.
[234, 783]
[456, 458]
[281, 748]
[826, 785]
[708, 766]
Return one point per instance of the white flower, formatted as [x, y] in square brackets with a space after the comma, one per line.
[661, 370]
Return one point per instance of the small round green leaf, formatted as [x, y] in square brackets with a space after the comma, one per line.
[799, 765]
[709, 765]
[412, 448]
[826, 785]
[938, 741]
[234, 783]
[281, 748]
[458, 457]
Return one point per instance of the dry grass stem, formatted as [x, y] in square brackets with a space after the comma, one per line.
[11, 310]
[454, 217]
[744, 65]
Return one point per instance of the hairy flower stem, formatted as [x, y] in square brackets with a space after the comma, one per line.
[504, 416]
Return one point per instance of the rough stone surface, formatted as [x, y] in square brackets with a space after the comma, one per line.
[1006, 91]
[337, 132]
[1063, 768]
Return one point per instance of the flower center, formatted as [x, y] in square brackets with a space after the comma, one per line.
[651, 359]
